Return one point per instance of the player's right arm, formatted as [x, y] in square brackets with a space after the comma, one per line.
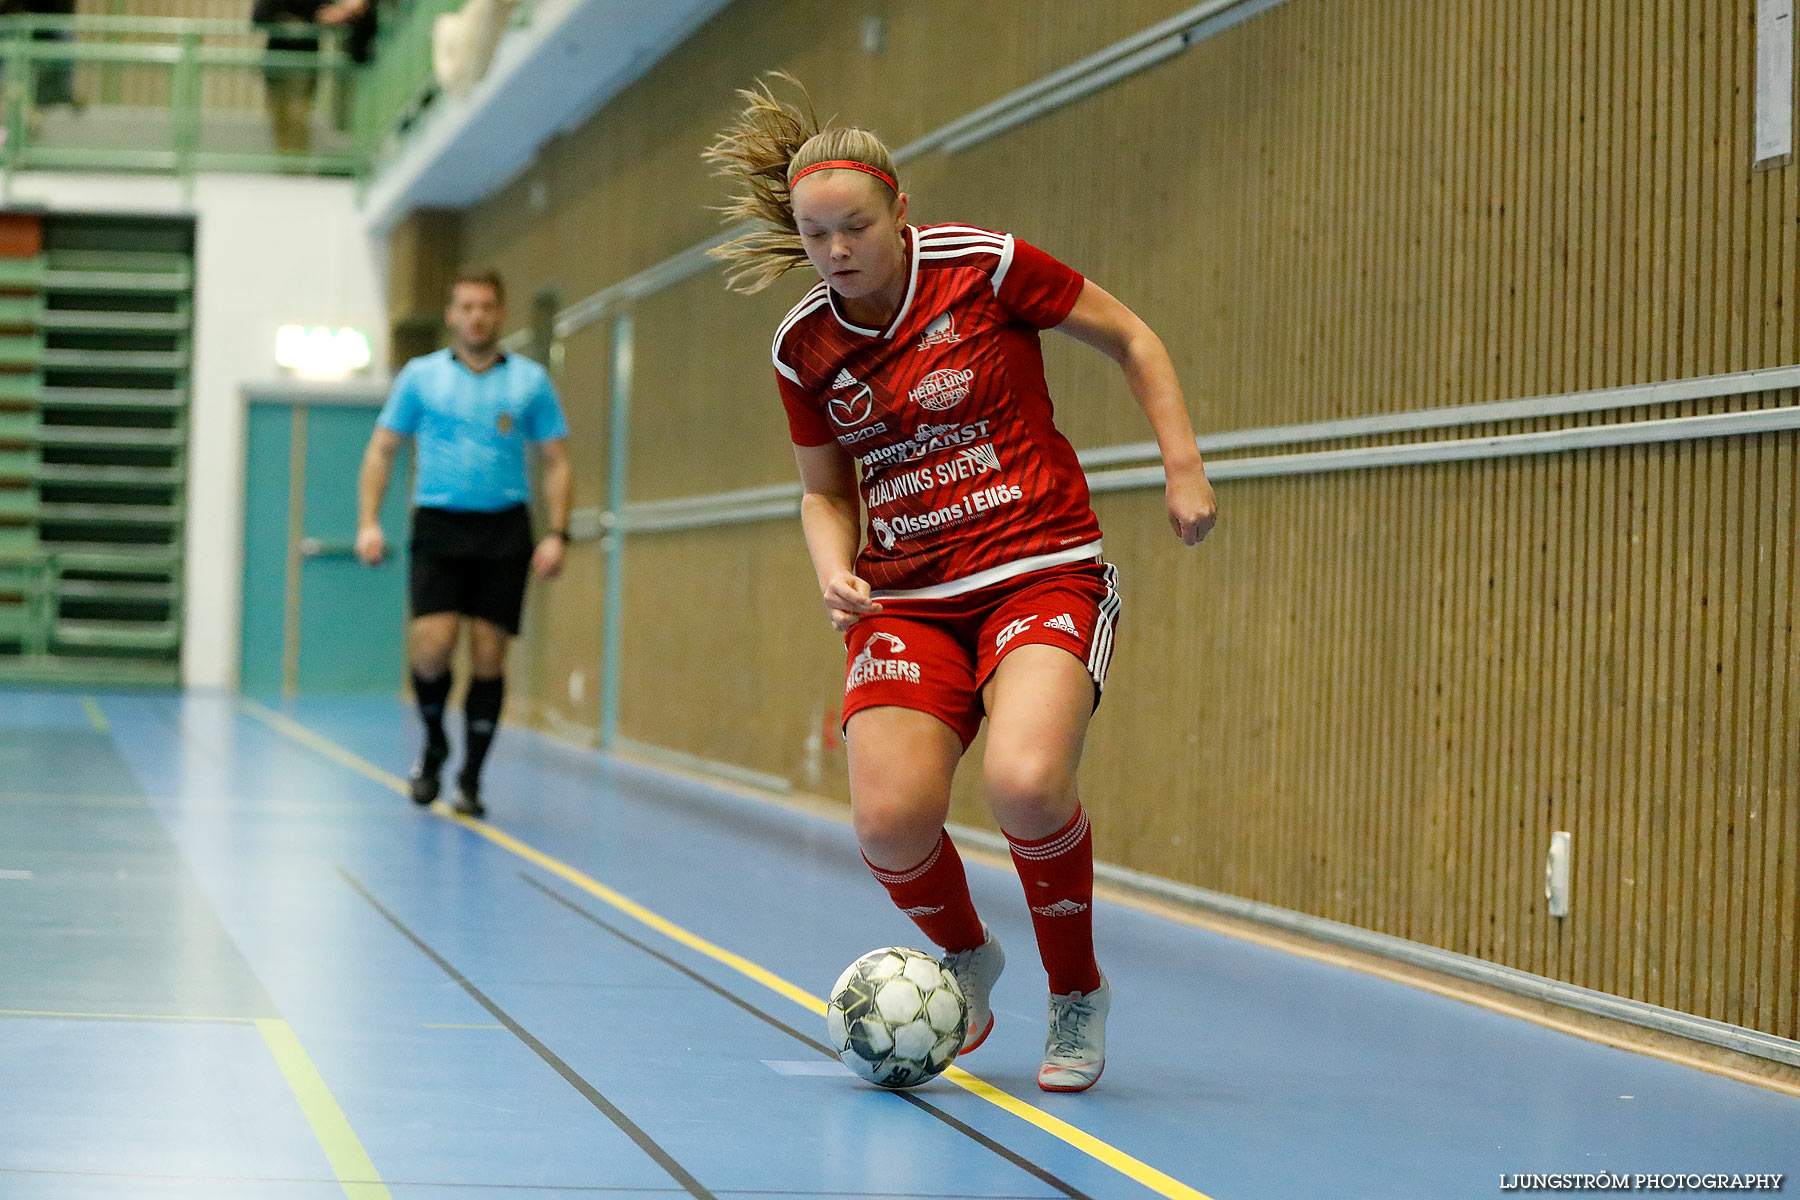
[371, 489]
[831, 517]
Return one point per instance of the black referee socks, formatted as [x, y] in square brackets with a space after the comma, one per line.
[431, 694]
[481, 712]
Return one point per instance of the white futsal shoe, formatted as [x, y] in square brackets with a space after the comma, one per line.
[975, 972]
[1075, 1050]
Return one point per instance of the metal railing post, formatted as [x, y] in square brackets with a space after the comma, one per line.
[618, 437]
[17, 92]
[44, 605]
[184, 104]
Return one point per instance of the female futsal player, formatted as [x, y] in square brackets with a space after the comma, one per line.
[979, 587]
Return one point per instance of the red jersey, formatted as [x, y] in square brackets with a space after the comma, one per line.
[966, 480]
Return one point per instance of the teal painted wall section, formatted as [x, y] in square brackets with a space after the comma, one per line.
[352, 617]
[265, 549]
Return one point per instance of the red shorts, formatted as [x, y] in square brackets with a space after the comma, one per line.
[934, 655]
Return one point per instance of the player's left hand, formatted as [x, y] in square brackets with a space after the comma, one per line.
[547, 559]
[848, 600]
[1193, 509]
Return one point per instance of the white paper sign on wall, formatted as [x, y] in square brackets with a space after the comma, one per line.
[1774, 82]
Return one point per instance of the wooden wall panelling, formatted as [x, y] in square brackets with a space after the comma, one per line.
[556, 675]
[713, 421]
[728, 652]
[1781, 913]
[423, 254]
[1651, 477]
[1755, 657]
[1370, 696]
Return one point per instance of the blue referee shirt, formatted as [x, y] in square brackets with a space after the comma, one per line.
[471, 429]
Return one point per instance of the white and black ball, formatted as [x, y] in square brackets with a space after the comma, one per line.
[896, 1017]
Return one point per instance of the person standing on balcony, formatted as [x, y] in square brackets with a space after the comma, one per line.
[472, 409]
[290, 90]
[54, 82]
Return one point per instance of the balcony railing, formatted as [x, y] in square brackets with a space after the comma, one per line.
[173, 95]
[398, 84]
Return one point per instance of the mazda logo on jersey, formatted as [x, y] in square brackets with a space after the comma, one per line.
[855, 406]
[942, 389]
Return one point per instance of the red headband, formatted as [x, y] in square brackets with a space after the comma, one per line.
[848, 165]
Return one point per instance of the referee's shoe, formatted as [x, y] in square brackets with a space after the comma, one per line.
[426, 781]
[468, 799]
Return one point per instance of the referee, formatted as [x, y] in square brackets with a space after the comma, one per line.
[471, 409]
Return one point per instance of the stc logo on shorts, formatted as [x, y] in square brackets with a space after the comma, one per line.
[1061, 622]
[943, 389]
[855, 407]
[1013, 629]
[867, 667]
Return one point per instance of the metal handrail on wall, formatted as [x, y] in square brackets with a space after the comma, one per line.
[783, 500]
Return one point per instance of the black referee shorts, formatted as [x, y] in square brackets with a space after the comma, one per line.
[473, 563]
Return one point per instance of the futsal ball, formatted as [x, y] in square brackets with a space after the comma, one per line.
[896, 1017]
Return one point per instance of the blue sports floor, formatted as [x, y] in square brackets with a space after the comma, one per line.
[236, 964]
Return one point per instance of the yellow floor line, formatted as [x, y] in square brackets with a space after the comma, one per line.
[1111, 1156]
[1081, 1139]
[1620, 1037]
[95, 716]
[661, 924]
[285, 724]
[355, 1172]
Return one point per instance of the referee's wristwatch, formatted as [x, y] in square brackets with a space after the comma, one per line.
[560, 534]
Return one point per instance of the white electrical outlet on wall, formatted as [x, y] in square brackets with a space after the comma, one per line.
[1556, 874]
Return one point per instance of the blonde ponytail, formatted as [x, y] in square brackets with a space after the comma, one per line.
[762, 151]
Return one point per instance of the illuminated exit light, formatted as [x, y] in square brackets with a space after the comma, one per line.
[321, 353]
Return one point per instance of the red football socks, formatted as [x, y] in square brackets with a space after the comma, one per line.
[1058, 874]
[935, 894]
